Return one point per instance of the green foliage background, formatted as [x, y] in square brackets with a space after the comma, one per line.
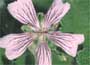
[76, 21]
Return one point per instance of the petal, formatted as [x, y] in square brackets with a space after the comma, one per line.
[16, 44]
[68, 42]
[43, 54]
[55, 13]
[24, 11]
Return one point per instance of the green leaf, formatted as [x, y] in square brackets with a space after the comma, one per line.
[20, 60]
[61, 59]
[83, 57]
[29, 58]
[42, 5]
[1, 54]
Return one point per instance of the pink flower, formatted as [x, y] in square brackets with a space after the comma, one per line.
[16, 44]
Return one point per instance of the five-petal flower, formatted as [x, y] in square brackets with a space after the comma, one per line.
[16, 44]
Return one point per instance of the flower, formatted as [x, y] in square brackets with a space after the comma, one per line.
[16, 44]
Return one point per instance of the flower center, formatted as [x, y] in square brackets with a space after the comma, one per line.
[41, 34]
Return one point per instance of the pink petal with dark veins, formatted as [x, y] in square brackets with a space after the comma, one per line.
[56, 13]
[23, 10]
[43, 54]
[68, 42]
[15, 44]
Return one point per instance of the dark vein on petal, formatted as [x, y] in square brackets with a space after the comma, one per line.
[30, 15]
[61, 45]
[23, 43]
[23, 17]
